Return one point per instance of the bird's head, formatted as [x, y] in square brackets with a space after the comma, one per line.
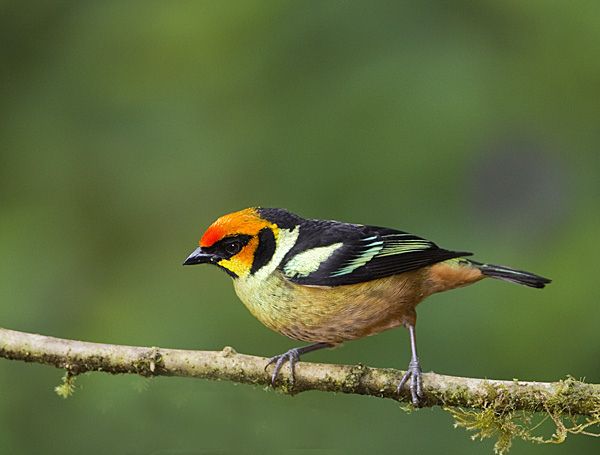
[241, 242]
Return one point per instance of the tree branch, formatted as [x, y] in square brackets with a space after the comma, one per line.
[567, 397]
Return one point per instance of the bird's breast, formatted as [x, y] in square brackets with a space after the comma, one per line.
[332, 314]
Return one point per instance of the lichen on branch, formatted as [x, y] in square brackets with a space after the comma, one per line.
[491, 408]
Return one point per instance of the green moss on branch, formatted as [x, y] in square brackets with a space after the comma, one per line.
[490, 408]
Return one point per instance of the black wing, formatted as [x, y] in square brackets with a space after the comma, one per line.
[329, 253]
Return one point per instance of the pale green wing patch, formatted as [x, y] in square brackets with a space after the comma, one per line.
[377, 247]
[309, 261]
[404, 246]
[371, 250]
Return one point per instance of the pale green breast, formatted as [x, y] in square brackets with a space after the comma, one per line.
[271, 300]
[331, 314]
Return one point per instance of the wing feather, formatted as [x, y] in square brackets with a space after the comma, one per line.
[366, 253]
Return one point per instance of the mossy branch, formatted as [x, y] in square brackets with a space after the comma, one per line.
[571, 397]
[500, 399]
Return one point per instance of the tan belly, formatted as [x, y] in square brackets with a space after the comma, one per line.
[333, 314]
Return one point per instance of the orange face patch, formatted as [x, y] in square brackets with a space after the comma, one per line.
[245, 221]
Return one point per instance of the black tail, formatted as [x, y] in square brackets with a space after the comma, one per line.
[512, 275]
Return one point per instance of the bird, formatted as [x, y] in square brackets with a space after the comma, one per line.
[326, 282]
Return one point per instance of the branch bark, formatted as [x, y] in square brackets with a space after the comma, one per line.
[566, 397]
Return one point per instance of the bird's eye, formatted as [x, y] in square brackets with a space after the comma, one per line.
[233, 247]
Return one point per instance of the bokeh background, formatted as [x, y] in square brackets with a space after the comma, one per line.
[127, 127]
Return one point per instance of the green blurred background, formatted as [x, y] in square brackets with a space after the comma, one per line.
[127, 127]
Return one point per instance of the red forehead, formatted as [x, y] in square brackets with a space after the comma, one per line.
[245, 221]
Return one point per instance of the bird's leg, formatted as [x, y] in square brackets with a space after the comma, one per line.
[414, 371]
[292, 356]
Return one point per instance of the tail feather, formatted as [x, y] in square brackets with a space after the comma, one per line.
[512, 275]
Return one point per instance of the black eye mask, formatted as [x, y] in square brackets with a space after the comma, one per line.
[229, 246]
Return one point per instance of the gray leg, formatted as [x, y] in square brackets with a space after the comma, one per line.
[292, 356]
[414, 371]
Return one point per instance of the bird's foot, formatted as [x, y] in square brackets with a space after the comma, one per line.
[416, 382]
[292, 356]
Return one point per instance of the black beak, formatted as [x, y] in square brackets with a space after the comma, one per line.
[198, 257]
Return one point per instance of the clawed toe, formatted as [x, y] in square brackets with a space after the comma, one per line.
[292, 356]
[416, 382]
